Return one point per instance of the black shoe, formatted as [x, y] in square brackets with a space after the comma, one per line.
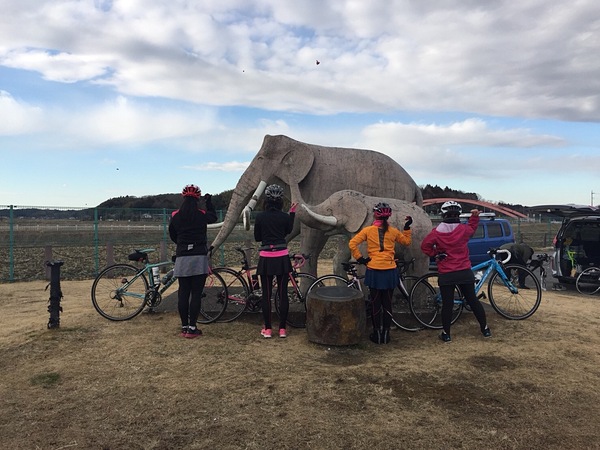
[385, 337]
[486, 332]
[445, 337]
[376, 337]
[522, 286]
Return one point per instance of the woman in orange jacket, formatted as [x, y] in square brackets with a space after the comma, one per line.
[382, 272]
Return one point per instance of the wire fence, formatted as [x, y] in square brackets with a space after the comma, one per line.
[88, 239]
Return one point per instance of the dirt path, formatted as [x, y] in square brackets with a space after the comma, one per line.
[95, 384]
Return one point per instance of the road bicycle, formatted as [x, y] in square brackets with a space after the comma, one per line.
[402, 317]
[539, 263]
[513, 291]
[245, 292]
[122, 291]
[588, 281]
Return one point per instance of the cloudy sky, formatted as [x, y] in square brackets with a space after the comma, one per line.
[105, 98]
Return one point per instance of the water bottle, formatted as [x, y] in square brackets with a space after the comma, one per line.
[478, 276]
[167, 277]
[156, 275]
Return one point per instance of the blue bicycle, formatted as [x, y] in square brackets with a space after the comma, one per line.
[513, 291]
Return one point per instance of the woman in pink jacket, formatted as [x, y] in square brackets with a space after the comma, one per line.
[448, 244]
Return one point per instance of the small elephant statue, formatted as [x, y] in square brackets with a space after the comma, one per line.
[347, 211]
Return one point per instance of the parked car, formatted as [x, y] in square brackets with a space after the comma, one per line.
[492, 232]
[577, 243]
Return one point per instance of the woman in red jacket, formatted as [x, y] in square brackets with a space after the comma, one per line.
[448, 244]
[382, 272]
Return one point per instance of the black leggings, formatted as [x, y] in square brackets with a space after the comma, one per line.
[189, 298]
[267, 292]
[468, 291]
[381, 305]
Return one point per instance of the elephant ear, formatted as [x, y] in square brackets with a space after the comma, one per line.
[355, 211]
[297, 163]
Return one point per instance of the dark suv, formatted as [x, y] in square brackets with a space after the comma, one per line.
[490, 233]
[577, 243]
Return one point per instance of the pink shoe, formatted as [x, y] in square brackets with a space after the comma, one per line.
[191, 334]
[266, 333]
[282, 333]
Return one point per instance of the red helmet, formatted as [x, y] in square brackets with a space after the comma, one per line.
[191, 190]
[382, 210]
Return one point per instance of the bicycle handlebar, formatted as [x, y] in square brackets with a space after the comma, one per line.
[501, 250]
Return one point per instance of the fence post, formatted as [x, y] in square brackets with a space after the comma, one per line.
[47, 258]
[96, 242]
[11, 245]
[54, 307]
[110, 254]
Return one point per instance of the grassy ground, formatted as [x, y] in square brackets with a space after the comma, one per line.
[95, 384]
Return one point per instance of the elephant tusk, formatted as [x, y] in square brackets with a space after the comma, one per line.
[212, 226]
[327, 220]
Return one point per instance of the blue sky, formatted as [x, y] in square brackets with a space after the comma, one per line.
[105, 98]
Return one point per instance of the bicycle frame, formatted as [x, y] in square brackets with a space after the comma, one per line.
[490, 266]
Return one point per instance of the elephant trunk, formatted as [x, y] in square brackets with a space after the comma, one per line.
[242, 203]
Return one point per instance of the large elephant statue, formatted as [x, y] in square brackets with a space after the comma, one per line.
[348, 211]
[318, 172]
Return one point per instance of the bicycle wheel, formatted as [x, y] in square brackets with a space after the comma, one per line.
[426, 302]
[214, 299]
[522, 300]
[237, 293]
[297, 300]
[119, 293]
[403, 317]
[588, 281]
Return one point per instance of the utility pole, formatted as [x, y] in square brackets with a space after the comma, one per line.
[592, 198]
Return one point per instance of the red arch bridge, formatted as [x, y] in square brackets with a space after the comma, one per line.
[500, 209]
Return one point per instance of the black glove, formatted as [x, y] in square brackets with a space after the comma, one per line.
[408, 222]
[363, 260]
[208, 201]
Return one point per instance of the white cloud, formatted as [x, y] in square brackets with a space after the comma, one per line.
[489, 58]
[230, 166]
[18, 117]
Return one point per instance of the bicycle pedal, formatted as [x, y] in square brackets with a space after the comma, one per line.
[481, 296]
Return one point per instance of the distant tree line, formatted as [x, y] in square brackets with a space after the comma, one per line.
[220, 201]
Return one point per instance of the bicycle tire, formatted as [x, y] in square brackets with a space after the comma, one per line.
[588, 281]
[297, 300]
[214, 299]
[520, 304]
[237, 293]
[119, 292]
[426, 302]
[402, 316]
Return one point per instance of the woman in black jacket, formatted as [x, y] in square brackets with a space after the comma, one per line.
[188, 230]
[271, 227]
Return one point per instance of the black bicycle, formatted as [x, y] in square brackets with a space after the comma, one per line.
[402, 316]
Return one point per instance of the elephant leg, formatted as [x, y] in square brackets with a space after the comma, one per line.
[311, 243]
[342, 254]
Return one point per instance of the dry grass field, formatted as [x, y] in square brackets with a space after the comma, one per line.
[95, 384]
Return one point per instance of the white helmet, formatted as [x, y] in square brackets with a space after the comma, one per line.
[451, 208]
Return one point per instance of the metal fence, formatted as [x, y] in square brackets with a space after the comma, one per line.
[87, 239]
